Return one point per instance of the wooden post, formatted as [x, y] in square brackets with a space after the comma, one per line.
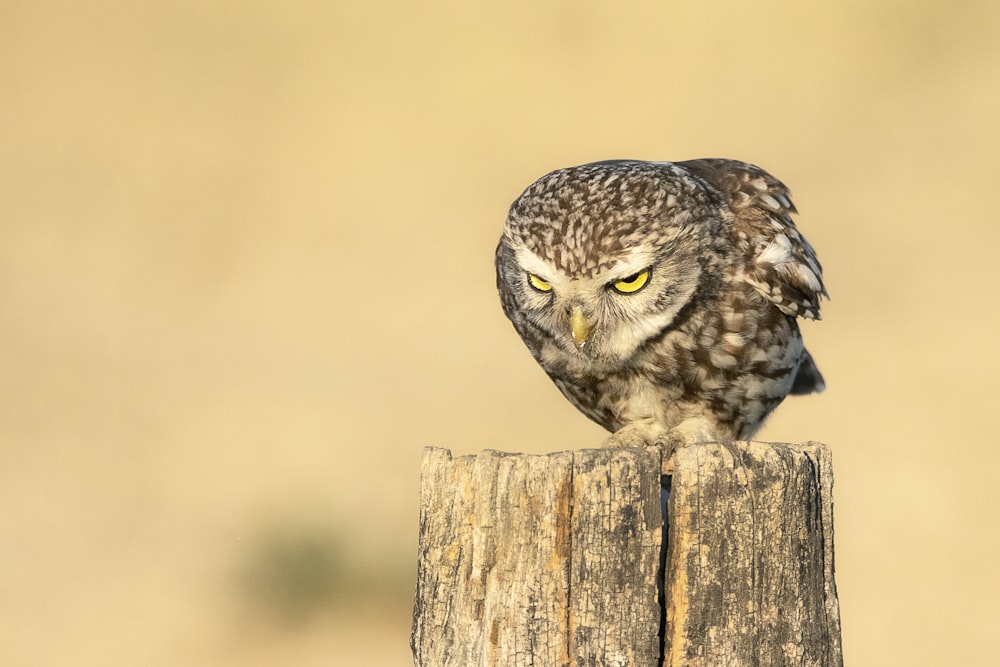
[749, 575]
[555, 559]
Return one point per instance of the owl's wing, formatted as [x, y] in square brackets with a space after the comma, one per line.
[780, 263]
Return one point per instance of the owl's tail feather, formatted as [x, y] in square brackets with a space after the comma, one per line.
[808, 379]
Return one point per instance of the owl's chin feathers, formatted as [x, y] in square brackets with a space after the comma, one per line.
[558, 355]
[604, 351]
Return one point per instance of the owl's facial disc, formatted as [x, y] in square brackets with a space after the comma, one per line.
[604, 315]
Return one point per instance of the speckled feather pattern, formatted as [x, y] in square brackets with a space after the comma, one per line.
[710, 346]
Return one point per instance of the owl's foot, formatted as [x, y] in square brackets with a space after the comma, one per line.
[642, 435]
[645, 434]
[625, 440]
[688, 432]
[638, 434]
[693, 430]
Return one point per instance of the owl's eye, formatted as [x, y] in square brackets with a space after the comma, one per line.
[538, 283]
[632, 284]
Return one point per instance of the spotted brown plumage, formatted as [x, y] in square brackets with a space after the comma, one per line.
[707, 345]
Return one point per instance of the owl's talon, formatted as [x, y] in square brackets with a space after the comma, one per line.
[670, 444]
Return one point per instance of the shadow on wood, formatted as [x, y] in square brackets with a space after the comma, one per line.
[554, 559]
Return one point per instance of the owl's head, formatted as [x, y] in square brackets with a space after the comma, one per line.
[600, 258]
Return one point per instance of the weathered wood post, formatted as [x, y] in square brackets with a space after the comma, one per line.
[555, 559]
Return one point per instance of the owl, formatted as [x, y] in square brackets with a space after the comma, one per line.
[662, 298]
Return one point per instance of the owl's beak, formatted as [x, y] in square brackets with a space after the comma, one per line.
[579, 327]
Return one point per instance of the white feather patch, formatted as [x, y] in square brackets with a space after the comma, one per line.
[770, 202]
[808, 278]
[778, 251]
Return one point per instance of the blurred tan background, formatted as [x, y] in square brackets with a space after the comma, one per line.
[246, 274]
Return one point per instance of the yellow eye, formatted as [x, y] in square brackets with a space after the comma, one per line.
[538, 283]
[632, 284]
